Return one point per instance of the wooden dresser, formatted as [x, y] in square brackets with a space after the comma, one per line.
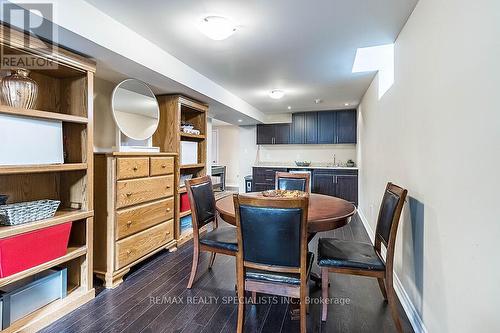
[134, 210]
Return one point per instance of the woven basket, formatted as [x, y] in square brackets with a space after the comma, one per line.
[24, 212]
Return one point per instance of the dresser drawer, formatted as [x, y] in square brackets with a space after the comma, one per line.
[136, 191]
[136, 246]
[138, 218]
[161, 166]
[132, 167]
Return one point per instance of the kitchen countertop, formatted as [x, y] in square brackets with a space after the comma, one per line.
[312, 166]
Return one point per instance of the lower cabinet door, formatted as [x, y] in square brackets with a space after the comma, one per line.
[136, 246]
[324, 183]
[347, 188]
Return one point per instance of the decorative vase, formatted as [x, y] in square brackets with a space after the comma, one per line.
[19, 90]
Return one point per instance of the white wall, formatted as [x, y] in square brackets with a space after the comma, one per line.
[104, 125]
[436, 132]
[229, 152]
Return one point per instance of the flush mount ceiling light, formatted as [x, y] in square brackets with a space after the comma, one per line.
[216, 27]
[276, 94]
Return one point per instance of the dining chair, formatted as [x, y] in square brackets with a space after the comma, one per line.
[273, 256]
[219, 239]
[293, 181]
[356, 258]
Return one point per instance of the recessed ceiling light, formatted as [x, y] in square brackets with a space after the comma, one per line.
[346, 104]
[276, 94]
[239, 120]
[289, 107]
[216, 27]
[318, 100]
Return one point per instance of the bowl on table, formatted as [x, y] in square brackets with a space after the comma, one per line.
[303, 163]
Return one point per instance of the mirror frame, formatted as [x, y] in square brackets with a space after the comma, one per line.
[113, 109]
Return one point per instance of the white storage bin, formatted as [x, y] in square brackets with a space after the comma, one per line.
[30, 141]
[189, 152]
[25, 296]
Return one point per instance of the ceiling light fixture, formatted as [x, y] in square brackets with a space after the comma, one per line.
[346, 104]
[239, 120]
[276, 94]
[216, 27]
[289, 107]
[318, 100]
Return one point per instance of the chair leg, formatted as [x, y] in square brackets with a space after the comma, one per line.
[241, 308]
[194, 267]
[303, 311]
[392, 299]
[324, 293]
[381, 284]
[212, 259]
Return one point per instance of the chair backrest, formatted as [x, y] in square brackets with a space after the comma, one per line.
[272, 232]
[293, 181]
[202, 201]
[388, 218]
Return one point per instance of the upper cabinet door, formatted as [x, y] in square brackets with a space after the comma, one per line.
[265, 134]
[298, 128]
[281, 134]
[326, 127]
[311, 127]
[346, 126]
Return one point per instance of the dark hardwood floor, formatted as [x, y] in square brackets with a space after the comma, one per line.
[154, 298]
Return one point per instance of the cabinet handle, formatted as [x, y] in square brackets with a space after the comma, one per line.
[168, 210]
[128, 252]
[163, 166]
[134, 168]
[128, 194]
[129, 223]
[168, 186]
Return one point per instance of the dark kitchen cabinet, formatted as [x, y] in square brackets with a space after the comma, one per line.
[345, 126]
[311, 128]
[264, 178]
[337, 183]
[281, 134]
[326, 127]
[269, 134]
[265, 134]
[346, 187]
[298, 128]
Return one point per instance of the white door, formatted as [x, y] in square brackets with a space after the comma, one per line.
[215, 147]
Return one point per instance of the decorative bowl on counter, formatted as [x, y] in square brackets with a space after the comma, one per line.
[303, 163]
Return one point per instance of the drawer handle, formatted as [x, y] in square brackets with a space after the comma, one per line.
[163, 166]
[168, 210]
[128, 252]
[135, 168]
[168, 233]
[168, 186]
[129, 223]
[128, 194]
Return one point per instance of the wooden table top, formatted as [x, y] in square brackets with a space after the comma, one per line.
[325, 212]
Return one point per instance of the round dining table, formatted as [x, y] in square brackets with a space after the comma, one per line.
[324, 213]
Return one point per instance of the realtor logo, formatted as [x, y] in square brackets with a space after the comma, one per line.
[35, 19]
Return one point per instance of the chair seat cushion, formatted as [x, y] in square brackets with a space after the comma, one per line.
[222, 238]
[348, 254]
[288, 278]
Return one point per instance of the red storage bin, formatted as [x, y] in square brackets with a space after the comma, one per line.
[21, 252]
[185, 206]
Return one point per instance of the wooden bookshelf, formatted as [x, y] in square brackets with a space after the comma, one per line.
[20, 169]
[5, 109]
[175, 109]
[65, 93]
[192, 136]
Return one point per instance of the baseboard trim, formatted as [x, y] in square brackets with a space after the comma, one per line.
[410, 310]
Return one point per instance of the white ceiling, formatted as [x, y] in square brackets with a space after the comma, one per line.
[306, 48]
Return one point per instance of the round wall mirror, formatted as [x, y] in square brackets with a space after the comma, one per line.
[135, 109]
